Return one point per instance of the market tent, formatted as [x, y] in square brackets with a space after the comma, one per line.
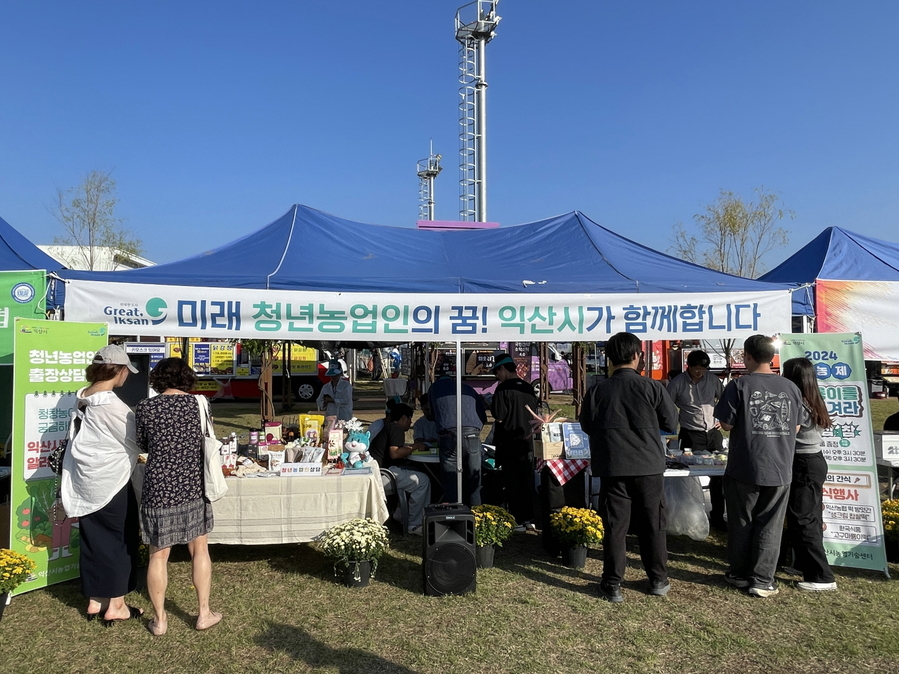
[305, 252]
[18, 253]
[856, 286]
[306, 249]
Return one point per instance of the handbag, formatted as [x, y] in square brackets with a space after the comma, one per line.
[214, 485]
[58, 455]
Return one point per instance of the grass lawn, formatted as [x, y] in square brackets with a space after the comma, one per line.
[285, 613]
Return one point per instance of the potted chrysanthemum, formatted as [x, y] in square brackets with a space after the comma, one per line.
[890, 510]
[576, 528]
[14, 570]
[492, 526]
[355, 546]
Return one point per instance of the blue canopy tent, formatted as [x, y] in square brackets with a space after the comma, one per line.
[855, 284]
[18, 254]
[309, 251]
[306, 249]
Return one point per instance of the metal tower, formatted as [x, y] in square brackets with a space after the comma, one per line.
[428, 169]
[475, 26]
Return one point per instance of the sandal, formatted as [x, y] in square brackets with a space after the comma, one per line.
[135, 614]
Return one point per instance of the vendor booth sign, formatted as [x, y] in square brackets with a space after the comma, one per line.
[50, 358]
[853, 527]
[279, 314]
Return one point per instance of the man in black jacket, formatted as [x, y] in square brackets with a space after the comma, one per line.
[623, 416]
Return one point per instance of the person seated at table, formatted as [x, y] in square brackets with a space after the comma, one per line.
[425, 428]
[390, 450]
[376, 425]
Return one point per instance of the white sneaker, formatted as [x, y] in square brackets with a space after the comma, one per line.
[816, 587]
[530, 526]
[520, 529]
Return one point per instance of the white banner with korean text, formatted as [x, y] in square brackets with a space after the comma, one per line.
[186, 311]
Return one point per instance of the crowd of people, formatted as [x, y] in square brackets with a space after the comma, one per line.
[775, 472]
[775, 469]
[96, 487]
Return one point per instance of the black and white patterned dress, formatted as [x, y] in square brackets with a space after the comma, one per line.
[173, 509]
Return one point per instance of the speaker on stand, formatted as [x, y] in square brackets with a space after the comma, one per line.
[449, 565]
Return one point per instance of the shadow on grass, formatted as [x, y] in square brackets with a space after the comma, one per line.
[301, 646]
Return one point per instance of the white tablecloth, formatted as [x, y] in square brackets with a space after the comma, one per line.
[262, 511]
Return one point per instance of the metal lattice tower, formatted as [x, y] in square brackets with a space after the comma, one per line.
[475, 26]
[428, 169]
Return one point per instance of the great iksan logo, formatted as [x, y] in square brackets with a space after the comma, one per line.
[154, 313]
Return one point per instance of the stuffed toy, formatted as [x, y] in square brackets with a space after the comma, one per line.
[356, 445]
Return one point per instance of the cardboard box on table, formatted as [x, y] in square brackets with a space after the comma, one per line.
[305, 468]
[549, 444]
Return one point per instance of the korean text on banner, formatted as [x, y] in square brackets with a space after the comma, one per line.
[283, 314]
[50, 358]
[853, 534]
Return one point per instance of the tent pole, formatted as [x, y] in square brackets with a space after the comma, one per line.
[459, 372]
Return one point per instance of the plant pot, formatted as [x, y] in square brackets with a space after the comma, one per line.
[3, 599]
[574, 556]
[357, 574]
[484, 555]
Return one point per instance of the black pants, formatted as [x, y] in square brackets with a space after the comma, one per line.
[109, 542]
[805, 518]
[642, 496]
[517, 475]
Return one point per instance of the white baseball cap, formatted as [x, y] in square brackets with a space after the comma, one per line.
[114, 355]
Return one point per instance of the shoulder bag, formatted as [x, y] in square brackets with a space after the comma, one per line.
[58, 455]
[214, 485]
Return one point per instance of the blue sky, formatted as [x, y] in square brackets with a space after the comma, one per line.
[216, 117]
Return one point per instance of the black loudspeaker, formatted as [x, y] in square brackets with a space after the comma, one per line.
[448, 559]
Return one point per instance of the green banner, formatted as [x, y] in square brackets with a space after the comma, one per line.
[22, 294]
[50, 358]
[853, 526]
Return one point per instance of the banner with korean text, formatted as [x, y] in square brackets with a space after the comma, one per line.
[22, 294]
[49, 362]
[187, 311]
[853, 534]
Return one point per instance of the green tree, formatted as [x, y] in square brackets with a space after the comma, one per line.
[87, 214]
[734, 235]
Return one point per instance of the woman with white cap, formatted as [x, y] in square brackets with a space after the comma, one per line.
[336, 397]
[96, 488]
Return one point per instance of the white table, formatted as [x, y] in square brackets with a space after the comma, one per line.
[268, 510]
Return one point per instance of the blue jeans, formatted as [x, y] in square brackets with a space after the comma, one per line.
[471, 466]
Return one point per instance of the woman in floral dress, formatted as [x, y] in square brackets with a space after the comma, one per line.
[173, 508]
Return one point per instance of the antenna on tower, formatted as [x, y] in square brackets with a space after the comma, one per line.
[475, 26]
[428, 169]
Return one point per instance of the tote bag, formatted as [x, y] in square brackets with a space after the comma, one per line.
[214, 484]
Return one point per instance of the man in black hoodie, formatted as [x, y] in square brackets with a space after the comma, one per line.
[623, 415]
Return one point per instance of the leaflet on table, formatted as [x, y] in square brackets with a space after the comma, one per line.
[853, 527]
[577, 443]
